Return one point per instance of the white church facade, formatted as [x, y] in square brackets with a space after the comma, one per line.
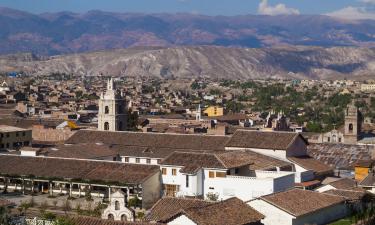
[112, 109]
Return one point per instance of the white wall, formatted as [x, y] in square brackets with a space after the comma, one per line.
[274, 215]
[182, 220]
[247, 188]
[195, 181]
[279, 154]
[324, 188]
[302, 174]
[142, 160]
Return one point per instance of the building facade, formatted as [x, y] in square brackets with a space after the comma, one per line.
[14, 137]
[112, 109]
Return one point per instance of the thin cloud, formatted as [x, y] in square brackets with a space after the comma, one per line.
[354, 13]
[279, 9]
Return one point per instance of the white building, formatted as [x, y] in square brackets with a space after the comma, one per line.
[300, 207]
[286, 146]
[186, 211]
[112, 109]
[226, 174]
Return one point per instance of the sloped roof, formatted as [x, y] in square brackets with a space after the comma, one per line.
[348, 194]
[340, 155]
[310, 163]
[263, 140]
[369, 181]
[232, 211]
[192, 161]
[156, 140]
[80, 220]
[298, 202]
[166, 208]
[57, 168]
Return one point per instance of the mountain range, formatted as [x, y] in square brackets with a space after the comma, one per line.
[67, 32]
[216, 62]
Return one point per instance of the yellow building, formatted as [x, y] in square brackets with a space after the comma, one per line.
[362, 169]
[214, 111]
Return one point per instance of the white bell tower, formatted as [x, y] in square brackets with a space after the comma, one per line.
[112, 109]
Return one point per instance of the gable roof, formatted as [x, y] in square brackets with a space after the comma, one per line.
[167, 207]
[156, 140]
[263, 140]
[310, 163]
[298, 202]
[232, 211]
[369, 181]
[348, 194]
[344, 183]
[58, 168]
[192, 161]
[83, 220]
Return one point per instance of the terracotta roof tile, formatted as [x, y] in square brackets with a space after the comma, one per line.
[310, 163]
[166, 208]
[156, 140]
[348, 194]
[263, 140]
[75, 169]
[232, 211]
[299, 202]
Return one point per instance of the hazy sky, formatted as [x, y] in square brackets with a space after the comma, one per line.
[341, 8]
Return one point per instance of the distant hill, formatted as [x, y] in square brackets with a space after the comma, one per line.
[206, 61]
[66, 32]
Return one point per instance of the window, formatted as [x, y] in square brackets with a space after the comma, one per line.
[351, 127]
[221, 174]
[174, 172]
[7, 135]
[17, 134]
[158, 161]
[117, 205]
[339, 139]
[148, 161]
[1, 135]
[126, 159]
[7, 145]
[137, 160]
[164, 171]
[236, 171]
[111, 217]
[106, 110]
[187, 180]
[24, 133]
[106, 126]
[211, 174]
[120, 126]
[124, 218]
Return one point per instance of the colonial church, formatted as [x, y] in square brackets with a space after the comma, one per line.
[350, 133]
[112, 109]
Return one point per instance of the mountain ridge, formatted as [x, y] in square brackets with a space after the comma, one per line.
[215, 62]
[68, 32]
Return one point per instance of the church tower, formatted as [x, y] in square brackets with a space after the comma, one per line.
[353, 124]
[112, 109]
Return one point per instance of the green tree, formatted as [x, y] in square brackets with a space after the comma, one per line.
[132, 121]
[4, 216]
[64, 221]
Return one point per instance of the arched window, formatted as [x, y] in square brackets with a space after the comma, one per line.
[351, 127]
[117, 205]
[111, 217]
[106, 126]
[124, 218]
[106, 110]
[120, 126]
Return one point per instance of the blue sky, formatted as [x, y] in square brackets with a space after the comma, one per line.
[340, 8]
